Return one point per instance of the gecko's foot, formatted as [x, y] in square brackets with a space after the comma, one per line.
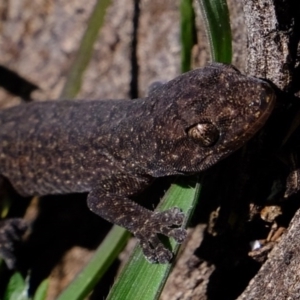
[11, 232]
[161, 223]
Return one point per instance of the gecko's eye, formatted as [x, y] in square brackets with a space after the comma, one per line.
[206, 134]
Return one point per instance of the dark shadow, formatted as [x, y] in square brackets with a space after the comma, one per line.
[134, 60]
[15, 84]
[288, 16]
[63, 222]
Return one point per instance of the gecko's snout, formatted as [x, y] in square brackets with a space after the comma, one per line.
[262, 107]
[266, 96]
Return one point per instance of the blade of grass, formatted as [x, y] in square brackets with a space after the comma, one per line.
[17, 288]
[139, 277]
[187, 33]
[106, 253]
[73, 83]
[217, 25]
[41, 292]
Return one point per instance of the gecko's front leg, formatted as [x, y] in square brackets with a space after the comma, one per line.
[143, 223]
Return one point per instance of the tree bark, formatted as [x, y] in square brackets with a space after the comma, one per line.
[273, 53]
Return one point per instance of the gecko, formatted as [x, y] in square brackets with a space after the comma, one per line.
[114, 149]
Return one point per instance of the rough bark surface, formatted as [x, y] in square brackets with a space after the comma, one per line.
[38, 41]
[279, 276]
[268, 43]
[273, 53]
[190, 277]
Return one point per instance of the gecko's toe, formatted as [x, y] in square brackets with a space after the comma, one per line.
[154, 251]
[177, 216]
[164, 256]
[172, 216]
[178, 234]
[161, 223]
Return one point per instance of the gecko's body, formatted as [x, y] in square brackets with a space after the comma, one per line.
[113, 149]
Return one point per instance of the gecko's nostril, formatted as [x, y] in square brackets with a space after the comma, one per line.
[266, 96]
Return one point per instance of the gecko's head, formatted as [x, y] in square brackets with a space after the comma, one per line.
[217, 109]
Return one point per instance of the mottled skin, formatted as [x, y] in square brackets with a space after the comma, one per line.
[113, 149]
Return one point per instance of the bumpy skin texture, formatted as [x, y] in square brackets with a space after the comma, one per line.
[113, 149]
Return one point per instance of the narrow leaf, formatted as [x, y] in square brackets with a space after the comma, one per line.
[41, 291]
[73, 83]
[217, 25]
[187, 34]
[16, 289]
[106, 253]
[140, 279]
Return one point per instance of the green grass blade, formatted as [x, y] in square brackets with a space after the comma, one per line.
[17, 288]
[73, 83]
[41, 291]
[187, 33]
[217, 23]
[106, 253]
[139, 277]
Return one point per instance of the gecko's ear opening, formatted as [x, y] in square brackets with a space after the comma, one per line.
[205, 134]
